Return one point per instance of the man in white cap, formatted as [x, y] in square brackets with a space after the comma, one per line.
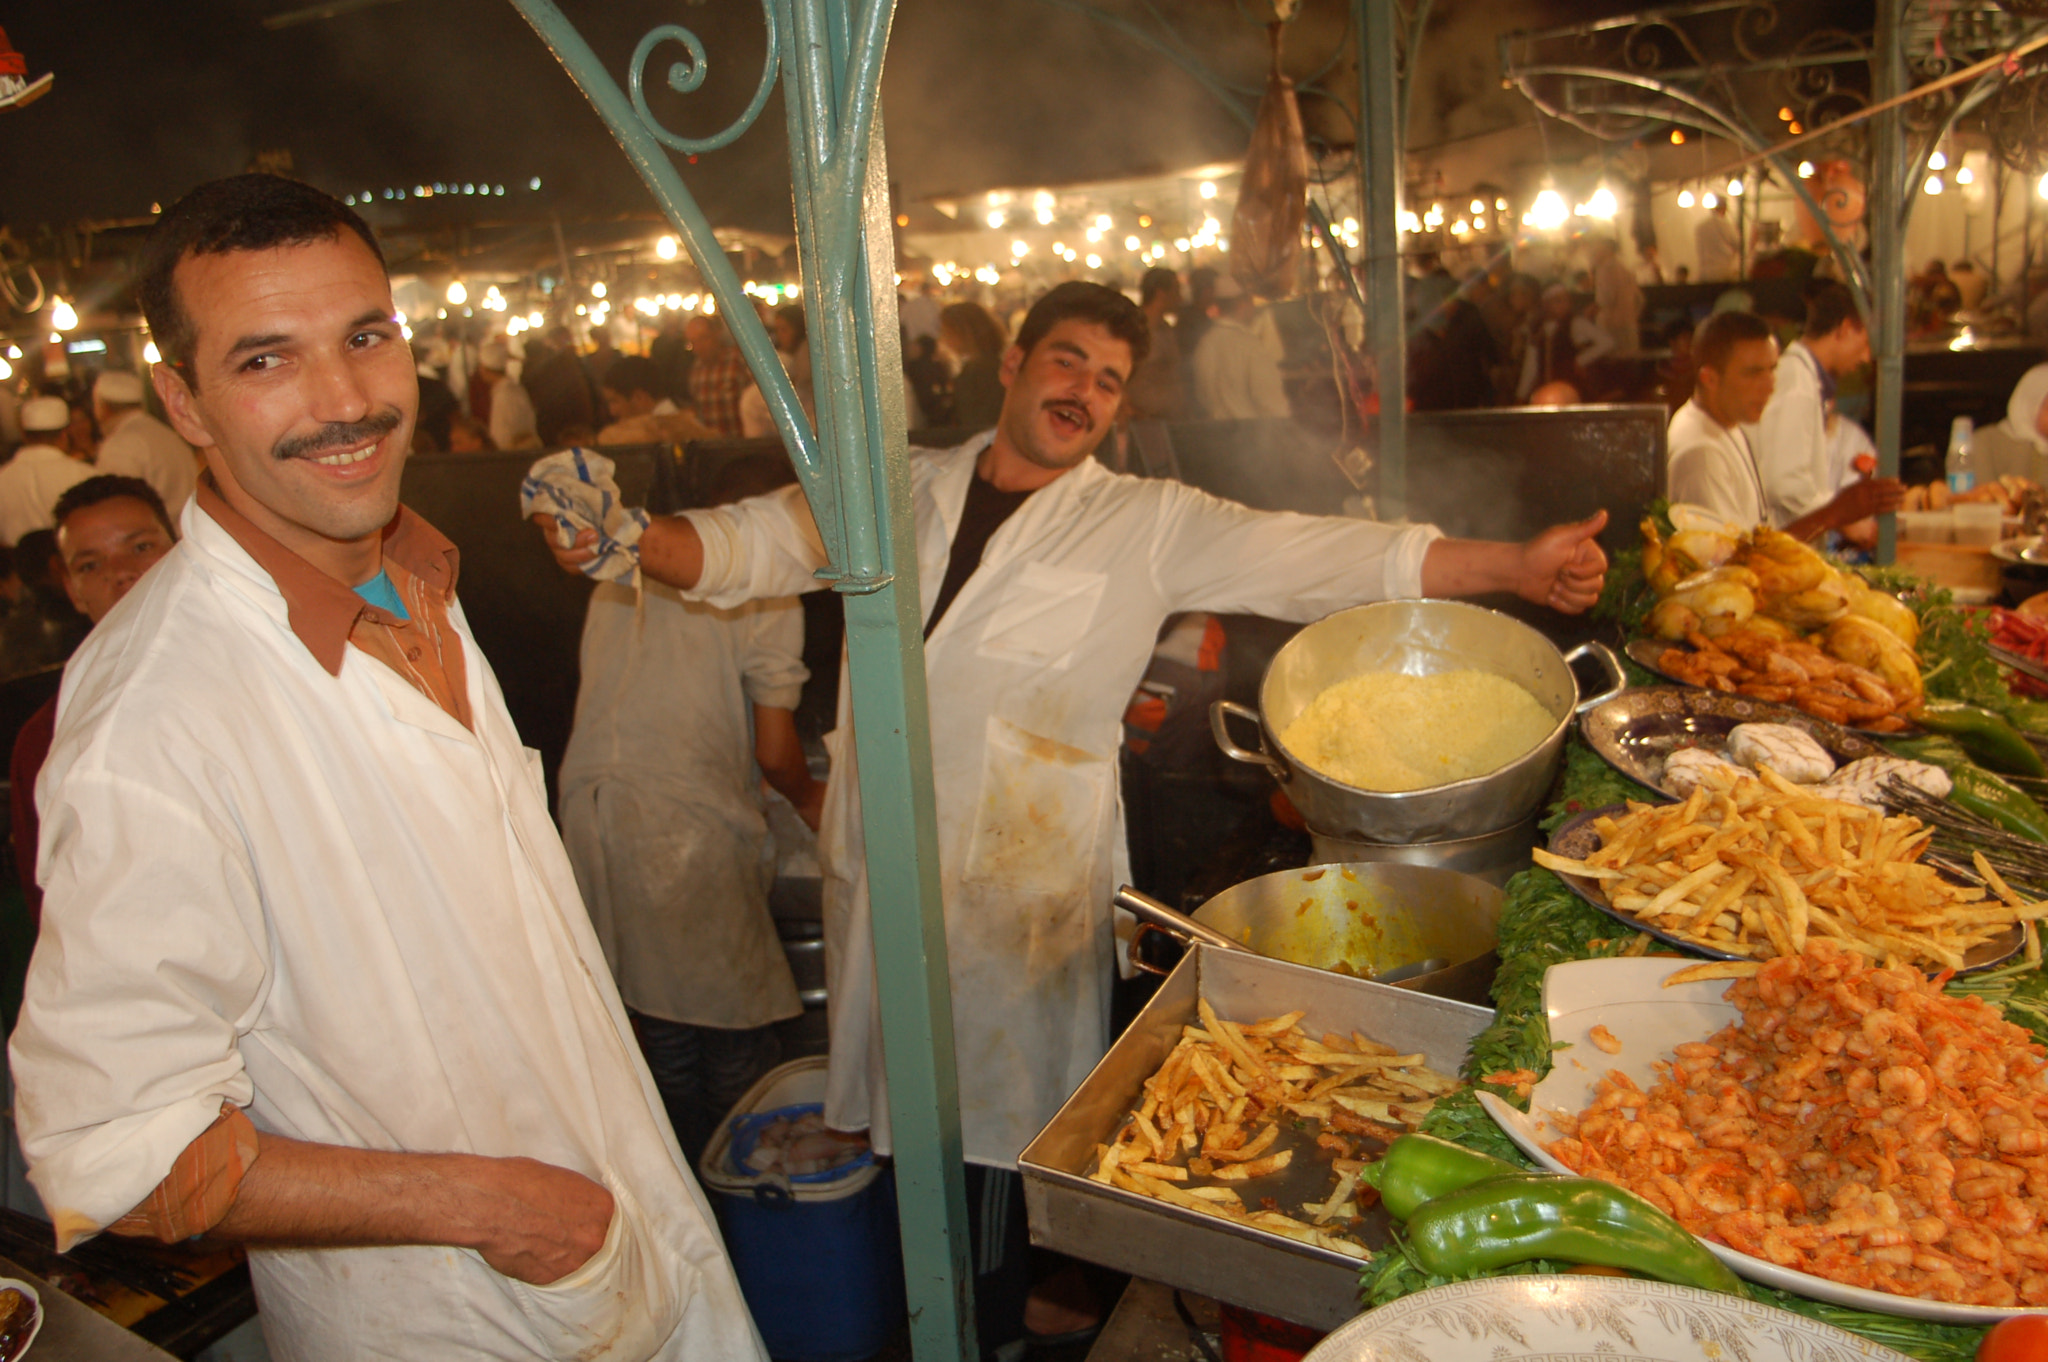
[512, 418]
[40, 470]
[134, 444]
[1237, 363]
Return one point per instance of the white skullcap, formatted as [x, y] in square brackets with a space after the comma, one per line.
[493, 355]
[45, 414]
[118, 388]
[2023, 411]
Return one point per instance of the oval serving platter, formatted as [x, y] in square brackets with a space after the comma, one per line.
[1639, 729]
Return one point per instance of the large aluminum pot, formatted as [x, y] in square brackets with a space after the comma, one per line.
[1419, 638]
[1416, 927]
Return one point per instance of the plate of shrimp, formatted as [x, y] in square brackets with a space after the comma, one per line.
[1782, 671]
[1826, 1126]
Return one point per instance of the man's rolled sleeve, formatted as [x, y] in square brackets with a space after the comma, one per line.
[772, 670]
[150, 962]
[763, 546]
[196, 1194]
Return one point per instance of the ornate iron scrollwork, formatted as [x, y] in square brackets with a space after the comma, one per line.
[685, 77]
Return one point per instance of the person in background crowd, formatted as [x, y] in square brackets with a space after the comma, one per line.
[1716, 246]
[560, 387]
[1430, 286]
[718, 375]
[1564, 343]
[82, 433]
[110, 530]
[1790, 439]
[671, 355]
[976, 341]
[918, 311]
[639, 414]
[467, 435]
[602, 354]
[791, 333]
[1237, 365]
[682, 710]
[39, 470]
[1506, 308]
[1649, 269]
[1682, 275]
[42, 627]
[1196, 316]
[10, 417]
[438, 409]
[1158, 391]
[1617, 298]
[1675, 372]
[137, 445]
[1557, 394]
[1452, 359]
[512, 419]
[314, 975]
[930, 385]
[1042, 557]
[456, 354]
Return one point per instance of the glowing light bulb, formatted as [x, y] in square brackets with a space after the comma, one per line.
[1937, 162]
[457, 294]
[1208, 189]
[1933, 185]
[1478, 205]
[1602, 205]
[1707, 200]
[150, 354]
[1964, 175]
[1806, 170]
[1685, 199]
[1548, 213]
[597, 289]
[666, 248]
[2042, 187]
[1734, 189]
[533, 318]
[1130, 243]
[63, 317]
[1020, 248]
[1677, 138]
[995, 219]
[1094, 262]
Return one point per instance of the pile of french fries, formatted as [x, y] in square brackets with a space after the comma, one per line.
[1754, 867]
[1212, 1114]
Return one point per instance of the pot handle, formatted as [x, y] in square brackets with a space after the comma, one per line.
[1609, 662]
[1152, 912]
[1219, 724]
[1138, 960]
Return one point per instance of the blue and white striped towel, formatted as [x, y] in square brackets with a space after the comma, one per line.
[576, 487]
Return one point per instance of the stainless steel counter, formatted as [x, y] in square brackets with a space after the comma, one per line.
[77, 1333]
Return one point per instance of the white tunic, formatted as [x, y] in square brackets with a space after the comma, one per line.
[1711, 466]
[661, 804]
[143, 447]
[30, 484]
[324, 898]
[1791, 440]
[1029, 673]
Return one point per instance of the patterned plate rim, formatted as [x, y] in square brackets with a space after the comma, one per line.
[1832, 735]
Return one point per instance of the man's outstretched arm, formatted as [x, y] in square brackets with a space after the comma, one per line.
[1562, 567]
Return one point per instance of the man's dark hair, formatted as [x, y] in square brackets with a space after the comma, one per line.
[106, 487]
[1828, 304]
[1157, 280]
[1077, 299]
[631, 374]
[1721, 333]
[240, 213]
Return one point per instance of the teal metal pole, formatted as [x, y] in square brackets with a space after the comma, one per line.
[1380, 152]
[855, 473]
[1886, 216]
[863, 415]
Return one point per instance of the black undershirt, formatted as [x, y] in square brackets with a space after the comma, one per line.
[984, 514]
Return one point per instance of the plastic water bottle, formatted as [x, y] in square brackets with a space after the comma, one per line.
[1961, 468]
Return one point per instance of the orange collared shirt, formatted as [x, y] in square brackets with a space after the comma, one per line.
[328, 617]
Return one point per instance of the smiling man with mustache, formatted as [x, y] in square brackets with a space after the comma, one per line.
[1045, 579]
[314, 975]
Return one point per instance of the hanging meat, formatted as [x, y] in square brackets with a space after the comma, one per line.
[1272, 198]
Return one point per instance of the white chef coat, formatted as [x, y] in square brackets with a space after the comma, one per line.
[662, 810]
[140, 446]
[30, 484]
[1712, 466]
[1029, 673]
[322, 897]
[1718, 248]
[512, 418]
[1790, 440]
[1237, 372]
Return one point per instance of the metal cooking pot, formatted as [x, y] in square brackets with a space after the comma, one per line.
[1419, 638]
[1412, 926]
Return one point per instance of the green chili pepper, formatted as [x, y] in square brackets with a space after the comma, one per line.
[1987, 737]
[1501, 1221]
[1976, 790]
[1419, 1168]
[2029, 716]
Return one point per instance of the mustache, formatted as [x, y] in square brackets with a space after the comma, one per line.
[336, 435]
[1087, 417]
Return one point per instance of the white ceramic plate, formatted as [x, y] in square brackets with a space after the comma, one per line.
[34, 1328]
[1629, 999]
[1586, 1319]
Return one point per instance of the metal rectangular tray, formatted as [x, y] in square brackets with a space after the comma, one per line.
[1236, 1263]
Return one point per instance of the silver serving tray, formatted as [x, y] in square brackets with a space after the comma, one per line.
[1638, 730]
[1244, 1266]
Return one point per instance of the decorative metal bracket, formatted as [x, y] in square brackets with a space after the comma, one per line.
[685, 77]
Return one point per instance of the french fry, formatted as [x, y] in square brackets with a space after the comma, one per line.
[1712, 969]
[1257, 1168]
